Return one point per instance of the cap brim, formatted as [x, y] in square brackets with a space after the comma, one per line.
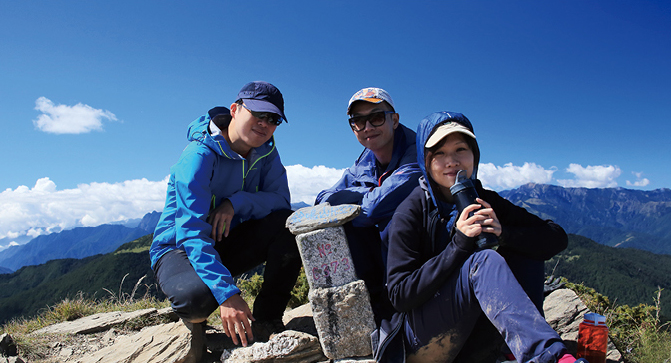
[263, 106]
[371, 100]
[445, 130]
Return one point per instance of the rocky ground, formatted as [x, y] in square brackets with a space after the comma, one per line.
[97, 338]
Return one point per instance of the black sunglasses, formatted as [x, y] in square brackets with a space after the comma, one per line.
[376, 119]
[269, 117]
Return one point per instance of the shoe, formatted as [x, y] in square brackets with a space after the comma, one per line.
[198, 344]
[507, 358]
[265, 329]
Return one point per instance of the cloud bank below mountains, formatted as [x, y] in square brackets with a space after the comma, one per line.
[43, 208]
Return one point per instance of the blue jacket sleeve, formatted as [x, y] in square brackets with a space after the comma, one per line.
[273, 193]
[378, 202]
[343, 192]
[193, 195]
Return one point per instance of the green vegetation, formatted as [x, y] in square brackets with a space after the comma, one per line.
[33, 288]
[35, 348]
[250, 287]
[627, 276]
[637, 331]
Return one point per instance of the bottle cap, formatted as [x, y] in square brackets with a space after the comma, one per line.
[461, 183]
[595, 319]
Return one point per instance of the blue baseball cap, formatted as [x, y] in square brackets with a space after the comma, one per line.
[262, 96]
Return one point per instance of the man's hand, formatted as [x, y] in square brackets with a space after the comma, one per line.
[220, 219]
[235, 316]
[483, 220]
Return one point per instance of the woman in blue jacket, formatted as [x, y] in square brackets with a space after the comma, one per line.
[448, 290]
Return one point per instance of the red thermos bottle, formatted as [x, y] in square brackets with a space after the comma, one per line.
[593, 338]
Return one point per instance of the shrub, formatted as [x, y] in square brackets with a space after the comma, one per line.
[635, 331]
[251, 286]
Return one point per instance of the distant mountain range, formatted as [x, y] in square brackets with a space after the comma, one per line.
[92, 258]
[78, 242]
[614, 217]
[81, 242]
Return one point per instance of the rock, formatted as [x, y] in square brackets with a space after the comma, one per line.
[166, 343]
[65, 353]
[300, 319]
[326, 257]
[564, 311]
[345, 335]
[321, 216]
[342, 313]
[7, 346]
[94, 323]
[109, 336]
[287, 346]
[11, 360]
[344, 319]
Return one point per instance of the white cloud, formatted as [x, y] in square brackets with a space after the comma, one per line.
[43, 208]
[510, 176]
[600, 176]
[640, 182]
[305, 183]
[62, 119]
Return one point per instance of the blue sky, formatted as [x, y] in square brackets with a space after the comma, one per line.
[572, 93]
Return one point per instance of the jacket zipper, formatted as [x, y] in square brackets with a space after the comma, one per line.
[244, 174]
[390, 336]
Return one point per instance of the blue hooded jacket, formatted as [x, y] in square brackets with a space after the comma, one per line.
[207, 173]
[378, 192]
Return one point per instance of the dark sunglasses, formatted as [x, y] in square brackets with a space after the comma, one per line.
[269, 117]
[376, 119]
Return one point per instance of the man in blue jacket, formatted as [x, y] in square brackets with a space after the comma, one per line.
[383, 175]
[225, 213]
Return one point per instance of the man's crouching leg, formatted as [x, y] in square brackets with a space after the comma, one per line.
[189, 297]
[283, 264]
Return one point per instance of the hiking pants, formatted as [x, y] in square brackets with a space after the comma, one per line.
[247, 245]
[484, 285]
[367, 256]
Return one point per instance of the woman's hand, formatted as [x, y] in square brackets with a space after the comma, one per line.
[483, 220]
[220, 219]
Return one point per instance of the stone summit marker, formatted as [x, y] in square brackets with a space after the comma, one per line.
[340, 302]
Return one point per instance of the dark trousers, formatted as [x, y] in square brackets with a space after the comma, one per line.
[247, 245]
[367, 256]
[484, 287]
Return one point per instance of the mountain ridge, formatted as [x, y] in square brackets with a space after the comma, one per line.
[617, 217]
[79, 242]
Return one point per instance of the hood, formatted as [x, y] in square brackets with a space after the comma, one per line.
[198, 130]
[426, 128]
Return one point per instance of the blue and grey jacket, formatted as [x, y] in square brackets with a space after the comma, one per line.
[207, 173]
[378, 192]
